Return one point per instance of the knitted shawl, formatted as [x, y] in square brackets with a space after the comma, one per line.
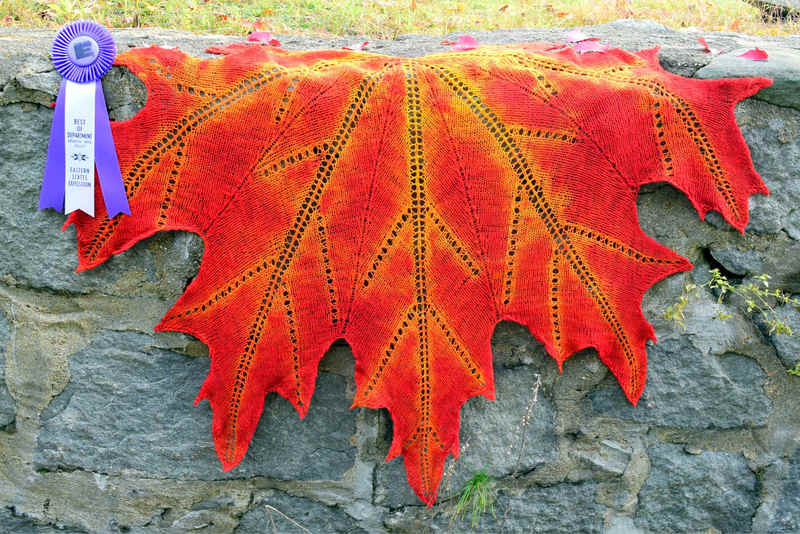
[407, 206]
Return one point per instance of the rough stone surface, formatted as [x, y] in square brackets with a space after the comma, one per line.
[787, 515]
[788, 347]
[14, 524]
[689, 389]
[283, 513]
[563, 508]
[557, 509]
[773, 135]
[690, 493]
[98, 432]
[129, 407]
[6, 402]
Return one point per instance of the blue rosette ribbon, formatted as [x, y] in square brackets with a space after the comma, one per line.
[80, 136]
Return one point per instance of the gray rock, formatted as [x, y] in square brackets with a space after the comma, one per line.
[788, 347]
[783, 66]
[490, 439]
[680, 49]
[492, 430]
[709, 335]
[11, 523]
[549, 509]
[607, 456]
[622, 525]
[391, 487]
[787, 516]
[562, 508]
[275, 511]
[30, 68]
[31, 79]
[128, 406]
[513, 346]
[773, 136]
[125, 93]
[666, 214]
[739, 261]
[7, 407]
[688, 389]
[557, 509]
[687, 493]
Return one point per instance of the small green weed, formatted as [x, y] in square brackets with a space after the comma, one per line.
[476, 498]
[757, 296]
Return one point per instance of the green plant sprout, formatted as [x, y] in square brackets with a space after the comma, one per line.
[794, 370]
[477, 496]
[757, 296]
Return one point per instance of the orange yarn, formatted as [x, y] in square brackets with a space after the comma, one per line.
[407, 206]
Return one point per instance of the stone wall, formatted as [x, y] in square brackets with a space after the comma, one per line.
[98, 432]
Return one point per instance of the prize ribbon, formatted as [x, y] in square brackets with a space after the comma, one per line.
[80, 136]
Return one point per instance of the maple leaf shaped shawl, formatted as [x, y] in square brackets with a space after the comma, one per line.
[407, 206]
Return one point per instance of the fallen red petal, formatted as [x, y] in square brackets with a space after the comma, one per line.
[755, 54]
[263, 37]
[357, 46]
[589, 45]
[576, 36]
[708, 49]
[464, 42]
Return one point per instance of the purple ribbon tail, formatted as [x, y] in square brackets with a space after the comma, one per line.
[105, 159]
[52, 195]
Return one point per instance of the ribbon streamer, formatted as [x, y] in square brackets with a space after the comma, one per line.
[83, 52]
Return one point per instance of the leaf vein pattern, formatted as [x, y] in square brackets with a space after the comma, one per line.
[480, 238]
[610, 243]
[365, 218]
[534, 189]
[284, 127]
[175, 138]
[326, 262]
[458, 347]
[388, 353]
[457, 247]
[419, 218]
[309, 205]
[682, 108]
[555, 300]
[288, 308]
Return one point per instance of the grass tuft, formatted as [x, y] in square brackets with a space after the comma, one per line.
[476, 498]
[387, 19]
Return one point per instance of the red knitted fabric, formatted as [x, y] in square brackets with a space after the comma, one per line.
[407, 206]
